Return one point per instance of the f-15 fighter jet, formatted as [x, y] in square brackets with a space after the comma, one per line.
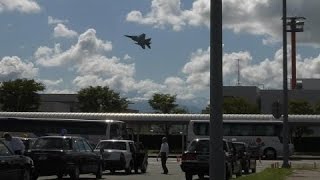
[141, 40]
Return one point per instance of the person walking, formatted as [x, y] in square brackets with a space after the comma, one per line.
[259, 148]
[15, 144]
[164, 152]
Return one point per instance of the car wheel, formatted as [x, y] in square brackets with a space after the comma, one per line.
[129, 169]
[228, 172]
[26, 174]
[246, 170]
[144, 167]
[270, 153]
[35, 176]
[60, 175]
[253, 170]
[75, 174]
[188, 176]
[247, 167]
[239, 173]
[99, 172]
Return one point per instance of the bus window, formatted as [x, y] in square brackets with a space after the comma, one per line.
[201, 128]
[265, 130]
[124, 131]
[241, 130]
[115, 131]
[226, 130]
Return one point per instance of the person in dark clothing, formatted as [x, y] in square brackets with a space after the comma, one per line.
[164, 152]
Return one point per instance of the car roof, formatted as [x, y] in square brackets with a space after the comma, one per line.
[116, 140]
[25, 138]
[205, 139]
[62, 137]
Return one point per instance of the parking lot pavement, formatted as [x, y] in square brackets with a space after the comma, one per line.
[304, 174]
[154, 171]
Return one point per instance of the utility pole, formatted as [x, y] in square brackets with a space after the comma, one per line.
[217, 160]
[238, 68]
[285, 129]
[295, 24]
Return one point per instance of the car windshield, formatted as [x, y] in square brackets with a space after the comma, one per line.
[52, 143]
[199, 146]
[112, 145]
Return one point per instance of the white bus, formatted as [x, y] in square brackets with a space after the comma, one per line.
[269, 132]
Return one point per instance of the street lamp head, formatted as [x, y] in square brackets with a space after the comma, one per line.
[295, 24]
[299, 26]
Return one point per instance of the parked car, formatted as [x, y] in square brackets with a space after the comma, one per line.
[195, 161]
[122, 155]
[61, 155]
[14, 167]
[248, 162]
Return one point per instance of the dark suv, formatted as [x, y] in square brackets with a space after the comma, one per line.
[60, 155]
[248, 162]
[196, 159]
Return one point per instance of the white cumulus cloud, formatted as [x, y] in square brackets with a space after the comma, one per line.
[13, 68]
[267, 72]
[87, 46]
[62, 31]
[53, 21]
[49, 82]
[23, 6]
[257, 17]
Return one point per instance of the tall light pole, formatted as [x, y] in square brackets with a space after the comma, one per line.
[294, 25]
[217, 165]
[285, 130]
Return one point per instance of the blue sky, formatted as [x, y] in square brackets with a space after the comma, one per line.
[72, 44]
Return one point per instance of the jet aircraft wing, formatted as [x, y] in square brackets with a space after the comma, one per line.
[143, 46]
[143, 36]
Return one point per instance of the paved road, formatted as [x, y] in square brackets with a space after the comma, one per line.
[175, 173]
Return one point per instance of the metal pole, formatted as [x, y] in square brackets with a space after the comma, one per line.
[285, 90]
[182, 143]
[217, 164]
[293, 58]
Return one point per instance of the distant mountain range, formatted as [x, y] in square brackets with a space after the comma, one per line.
[193, 106]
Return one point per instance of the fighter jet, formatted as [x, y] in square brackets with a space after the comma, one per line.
[141, 40]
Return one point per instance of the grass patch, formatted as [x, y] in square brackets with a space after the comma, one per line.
[269, 173]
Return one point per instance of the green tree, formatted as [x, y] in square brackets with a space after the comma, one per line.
[300, 107]
[180, 110]
[317, 108]
[101, 99]
[164, 103]
[20, 95]
[206, 110]
[236, 105]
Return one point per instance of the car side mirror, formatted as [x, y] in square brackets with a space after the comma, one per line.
[101, 150]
